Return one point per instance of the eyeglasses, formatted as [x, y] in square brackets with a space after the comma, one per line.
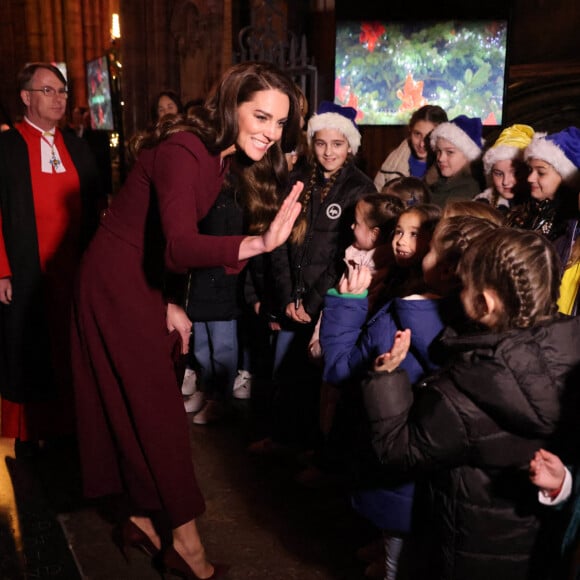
[50, 92]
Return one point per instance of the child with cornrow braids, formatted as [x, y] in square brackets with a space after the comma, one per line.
[471, 429]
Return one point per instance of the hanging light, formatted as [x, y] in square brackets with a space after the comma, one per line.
[115, 26]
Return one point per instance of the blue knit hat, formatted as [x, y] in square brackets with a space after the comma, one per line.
[332, 116]
[464, 132]
[561, 150]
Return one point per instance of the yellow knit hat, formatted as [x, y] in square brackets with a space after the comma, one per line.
[509, 145]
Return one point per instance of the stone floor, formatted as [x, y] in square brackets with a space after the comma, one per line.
[258, 519]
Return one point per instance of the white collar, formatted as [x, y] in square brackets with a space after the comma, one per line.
[52, 131]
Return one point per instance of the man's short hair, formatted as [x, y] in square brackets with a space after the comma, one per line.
[28, 71]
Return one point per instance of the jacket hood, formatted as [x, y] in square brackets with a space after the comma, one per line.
[519, 378]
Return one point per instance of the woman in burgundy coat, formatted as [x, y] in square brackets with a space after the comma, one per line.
[133, 432]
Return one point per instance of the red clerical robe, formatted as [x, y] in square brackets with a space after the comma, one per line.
[57, 214]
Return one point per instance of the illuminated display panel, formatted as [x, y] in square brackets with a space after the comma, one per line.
[388, 69]
[99, 94]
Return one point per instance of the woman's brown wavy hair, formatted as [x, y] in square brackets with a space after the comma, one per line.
[263, 183]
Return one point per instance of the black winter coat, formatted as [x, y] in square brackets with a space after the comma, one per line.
[212, 293]
[472, 430]
[308, 270]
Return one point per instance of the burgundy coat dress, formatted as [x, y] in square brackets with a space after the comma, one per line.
[133, 431]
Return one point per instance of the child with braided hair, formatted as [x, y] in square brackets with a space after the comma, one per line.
[471, 429]
[352, 340]
[309, 264]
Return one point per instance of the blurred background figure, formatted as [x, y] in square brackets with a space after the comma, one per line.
[411, 190]
[98, 140]
[5, 121]
[166, 103]
[413, 156]
[192, 104]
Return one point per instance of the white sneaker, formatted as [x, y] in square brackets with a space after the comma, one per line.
[242, 385]
[189, 384]
[212, 411]
[194, 402]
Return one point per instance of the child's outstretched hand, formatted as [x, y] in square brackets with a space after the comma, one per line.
[355, 280]
[547, 471]
[389, 361]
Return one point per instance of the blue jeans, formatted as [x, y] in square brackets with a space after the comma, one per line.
[215, 348]
[283, 340]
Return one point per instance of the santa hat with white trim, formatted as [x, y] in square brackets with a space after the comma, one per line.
[464, 132]
[332, 116]
[509, 145]
[561, 150]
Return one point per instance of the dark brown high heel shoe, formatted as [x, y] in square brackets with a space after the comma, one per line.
[129, 535]
[174, 564]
